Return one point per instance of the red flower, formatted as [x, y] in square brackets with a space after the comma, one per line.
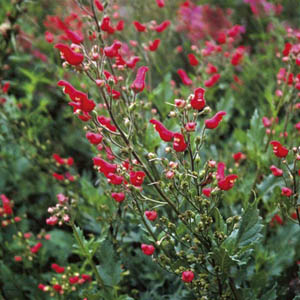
[107, 123]
[74, 37]
[279, 150]
[184, 77]
[238, 156]
[227, 183]
[114, 179]
[137, 178]
[53, 220]
[120, 25]
[179, 144]
[287, 49]
[165, 134]
[276, 171]
[277, 219]
[198, 101]
[266, 122]
[154, 45]
[6, 205]
[105, 25]
[147, 249]
[138, 84]
[215, 120]
[160, 3]
[57, 287]
[72, 57]
[131, 63]
[163, 26]
[74, 279]
[193, 60]
[41, 286]
[119, 197]
[18, 258]
[221, 38]
[212, 80]
[139, 27]
[206, 192]
[187, 276]
[36, 247]
[58, 269]
[210, 69]
[151, 215]
[94, 138]
[49, 37]
[113, 50]
[237, 56]
[99, 5]
[86, 277]
[58, 176]
[286, 192]
[190, 126]
[105, 167]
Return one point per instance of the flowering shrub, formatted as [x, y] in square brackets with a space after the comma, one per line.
[176, 172]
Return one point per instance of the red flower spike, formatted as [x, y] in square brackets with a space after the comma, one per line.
[160, 3]
[151, 215]
[112, 51]
[163, 26]
[179, 144]
[99, 5]
[287, 49]
[198, 101]
[114, 179]
[74, 37]
[286, 192]
[119, 197]
[184, 77]
[36, 247]
[137, 178]
[212, 80]
[94, 138]
[187, 276]
[193, 60]
[6, 205]
[131, 63]
[154, 45]
[227, 183]
[138, 84]
[105, 167]
[147, 249]
[72, 57]
[206, 192]
[49, 37]
[58, 269]
[165, 134]
[279, 150]
[215, 120]
[139, 27]
[276, 171]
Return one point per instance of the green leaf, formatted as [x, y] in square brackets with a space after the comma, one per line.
[220, 224]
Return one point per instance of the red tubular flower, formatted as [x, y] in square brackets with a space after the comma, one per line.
[180, 103]
[41, 286]
[190, 126]
[193, 60]
[211, 69]
[131, 63]
[105, 25]
[58, 176]
[112, 51]
[105, 167]
[72, 57]
[297, 126]
[58, 159]
[286, 192]
[266, 122]
[212, 80]
[179, 145]
[227, 183]
[6, 205]
[276, 219]
[74, 279]
[238, 156]
[138, 84]
[160, 3]
[139, 27]
[74, 37]
[221, 38]
[154, 45]
[57, 287]
[165, 134]
[279, 150]
[99, 5]
[151, 215]
[206, 192]
[107, 123]
[187, 276]
[215, 120]
[86, 277]
[53, 220]
[198, 101]
[220, 171]
[94, 138]
[163, 26]
[70, 161]
[237, 56]
[49, 37]
[36, 247]
[184, 77]
[276, 171]
[120, 25]
[287, 49]
[147, 249]
[57, 268]
[119, 197]
[114, 179]
[137, 178]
